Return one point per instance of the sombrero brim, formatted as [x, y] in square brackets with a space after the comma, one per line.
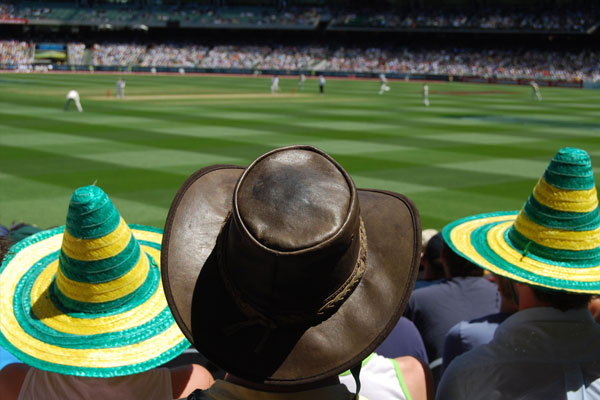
[139, 335]
[484, 240]
[206, 313]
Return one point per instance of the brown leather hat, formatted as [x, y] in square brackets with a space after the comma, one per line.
[278, 275]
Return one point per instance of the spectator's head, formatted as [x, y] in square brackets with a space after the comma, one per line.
[283, 273]
[432, 258]
[90, 301]
[456, 265]
[550, 245]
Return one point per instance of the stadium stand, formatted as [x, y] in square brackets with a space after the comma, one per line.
[306, 36]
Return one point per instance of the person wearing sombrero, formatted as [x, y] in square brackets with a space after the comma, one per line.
[305, 274]
[550, 250]
[82, 306]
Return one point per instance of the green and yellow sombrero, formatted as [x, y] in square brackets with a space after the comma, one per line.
[553, 242]
[86, 298]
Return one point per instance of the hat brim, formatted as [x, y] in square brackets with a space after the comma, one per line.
[210, 319]
[137, 336]
[483, 239]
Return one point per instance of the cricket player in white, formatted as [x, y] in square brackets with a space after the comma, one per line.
[274, 84]
[120, 88]
[535, 91]
[73, 96]
[426, 95]
[384, 85]
[301, 81]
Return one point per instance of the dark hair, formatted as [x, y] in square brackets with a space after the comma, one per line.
[458, 265]
[5, 244]
[433, 253]
[562, 300]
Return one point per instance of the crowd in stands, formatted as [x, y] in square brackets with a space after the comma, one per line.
[173, 56]
[16, 52]
[564, 20]
[117, 54]
[75, 53]
[190, 16]
[7, 11]
[574, 20]
[510, 64]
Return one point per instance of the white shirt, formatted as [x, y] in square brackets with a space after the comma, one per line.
[73, 95]
[321, 80]
[537, 353]
[380, 378]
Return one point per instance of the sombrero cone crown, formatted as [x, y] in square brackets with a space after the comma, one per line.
[560, 220]
[101, 266]
[86, 299]
[553, 242]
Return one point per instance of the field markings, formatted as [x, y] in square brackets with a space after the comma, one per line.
[206, 96]
[159, 158]
[482, 138]
[350, 146]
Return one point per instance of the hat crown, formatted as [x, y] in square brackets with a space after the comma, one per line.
[560, 220]
[294, 238]
[293, 200]
[91, 213]
[101, 265]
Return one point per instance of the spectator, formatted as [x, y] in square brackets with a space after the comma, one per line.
[465, 336]
[550, 348]
[404, 340]
[433, 268]
[303, 282]
[464, 295]
[92, 320]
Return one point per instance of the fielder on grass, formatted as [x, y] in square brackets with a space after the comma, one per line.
[73, 97]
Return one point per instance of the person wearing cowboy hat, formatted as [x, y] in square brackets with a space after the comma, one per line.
[305, 275]
[82, 306]
[550, 348]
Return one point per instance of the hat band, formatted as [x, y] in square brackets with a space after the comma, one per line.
[327, 308]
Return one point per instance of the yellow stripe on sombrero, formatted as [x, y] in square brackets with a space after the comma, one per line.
[556, 238]
[82, 326]
[461, 238]
[97, 249]
[103, 292]
[96, 358]
[565, 200]
[495, 238]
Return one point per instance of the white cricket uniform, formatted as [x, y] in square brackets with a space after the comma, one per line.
[73, 96]
[384, 86]
[120, 88]
[275, 85]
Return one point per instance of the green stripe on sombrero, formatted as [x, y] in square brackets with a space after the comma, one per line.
[551, 218]
[77, 308]
[91, 214]
[126, 369]
[558, 257]
[479, 242]
[100, 271]
[570, 169]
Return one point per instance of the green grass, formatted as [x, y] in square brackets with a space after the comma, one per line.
[477, 148]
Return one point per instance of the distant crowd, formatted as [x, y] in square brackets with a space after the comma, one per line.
[513, 64]
[572, 19]
[566, 20]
